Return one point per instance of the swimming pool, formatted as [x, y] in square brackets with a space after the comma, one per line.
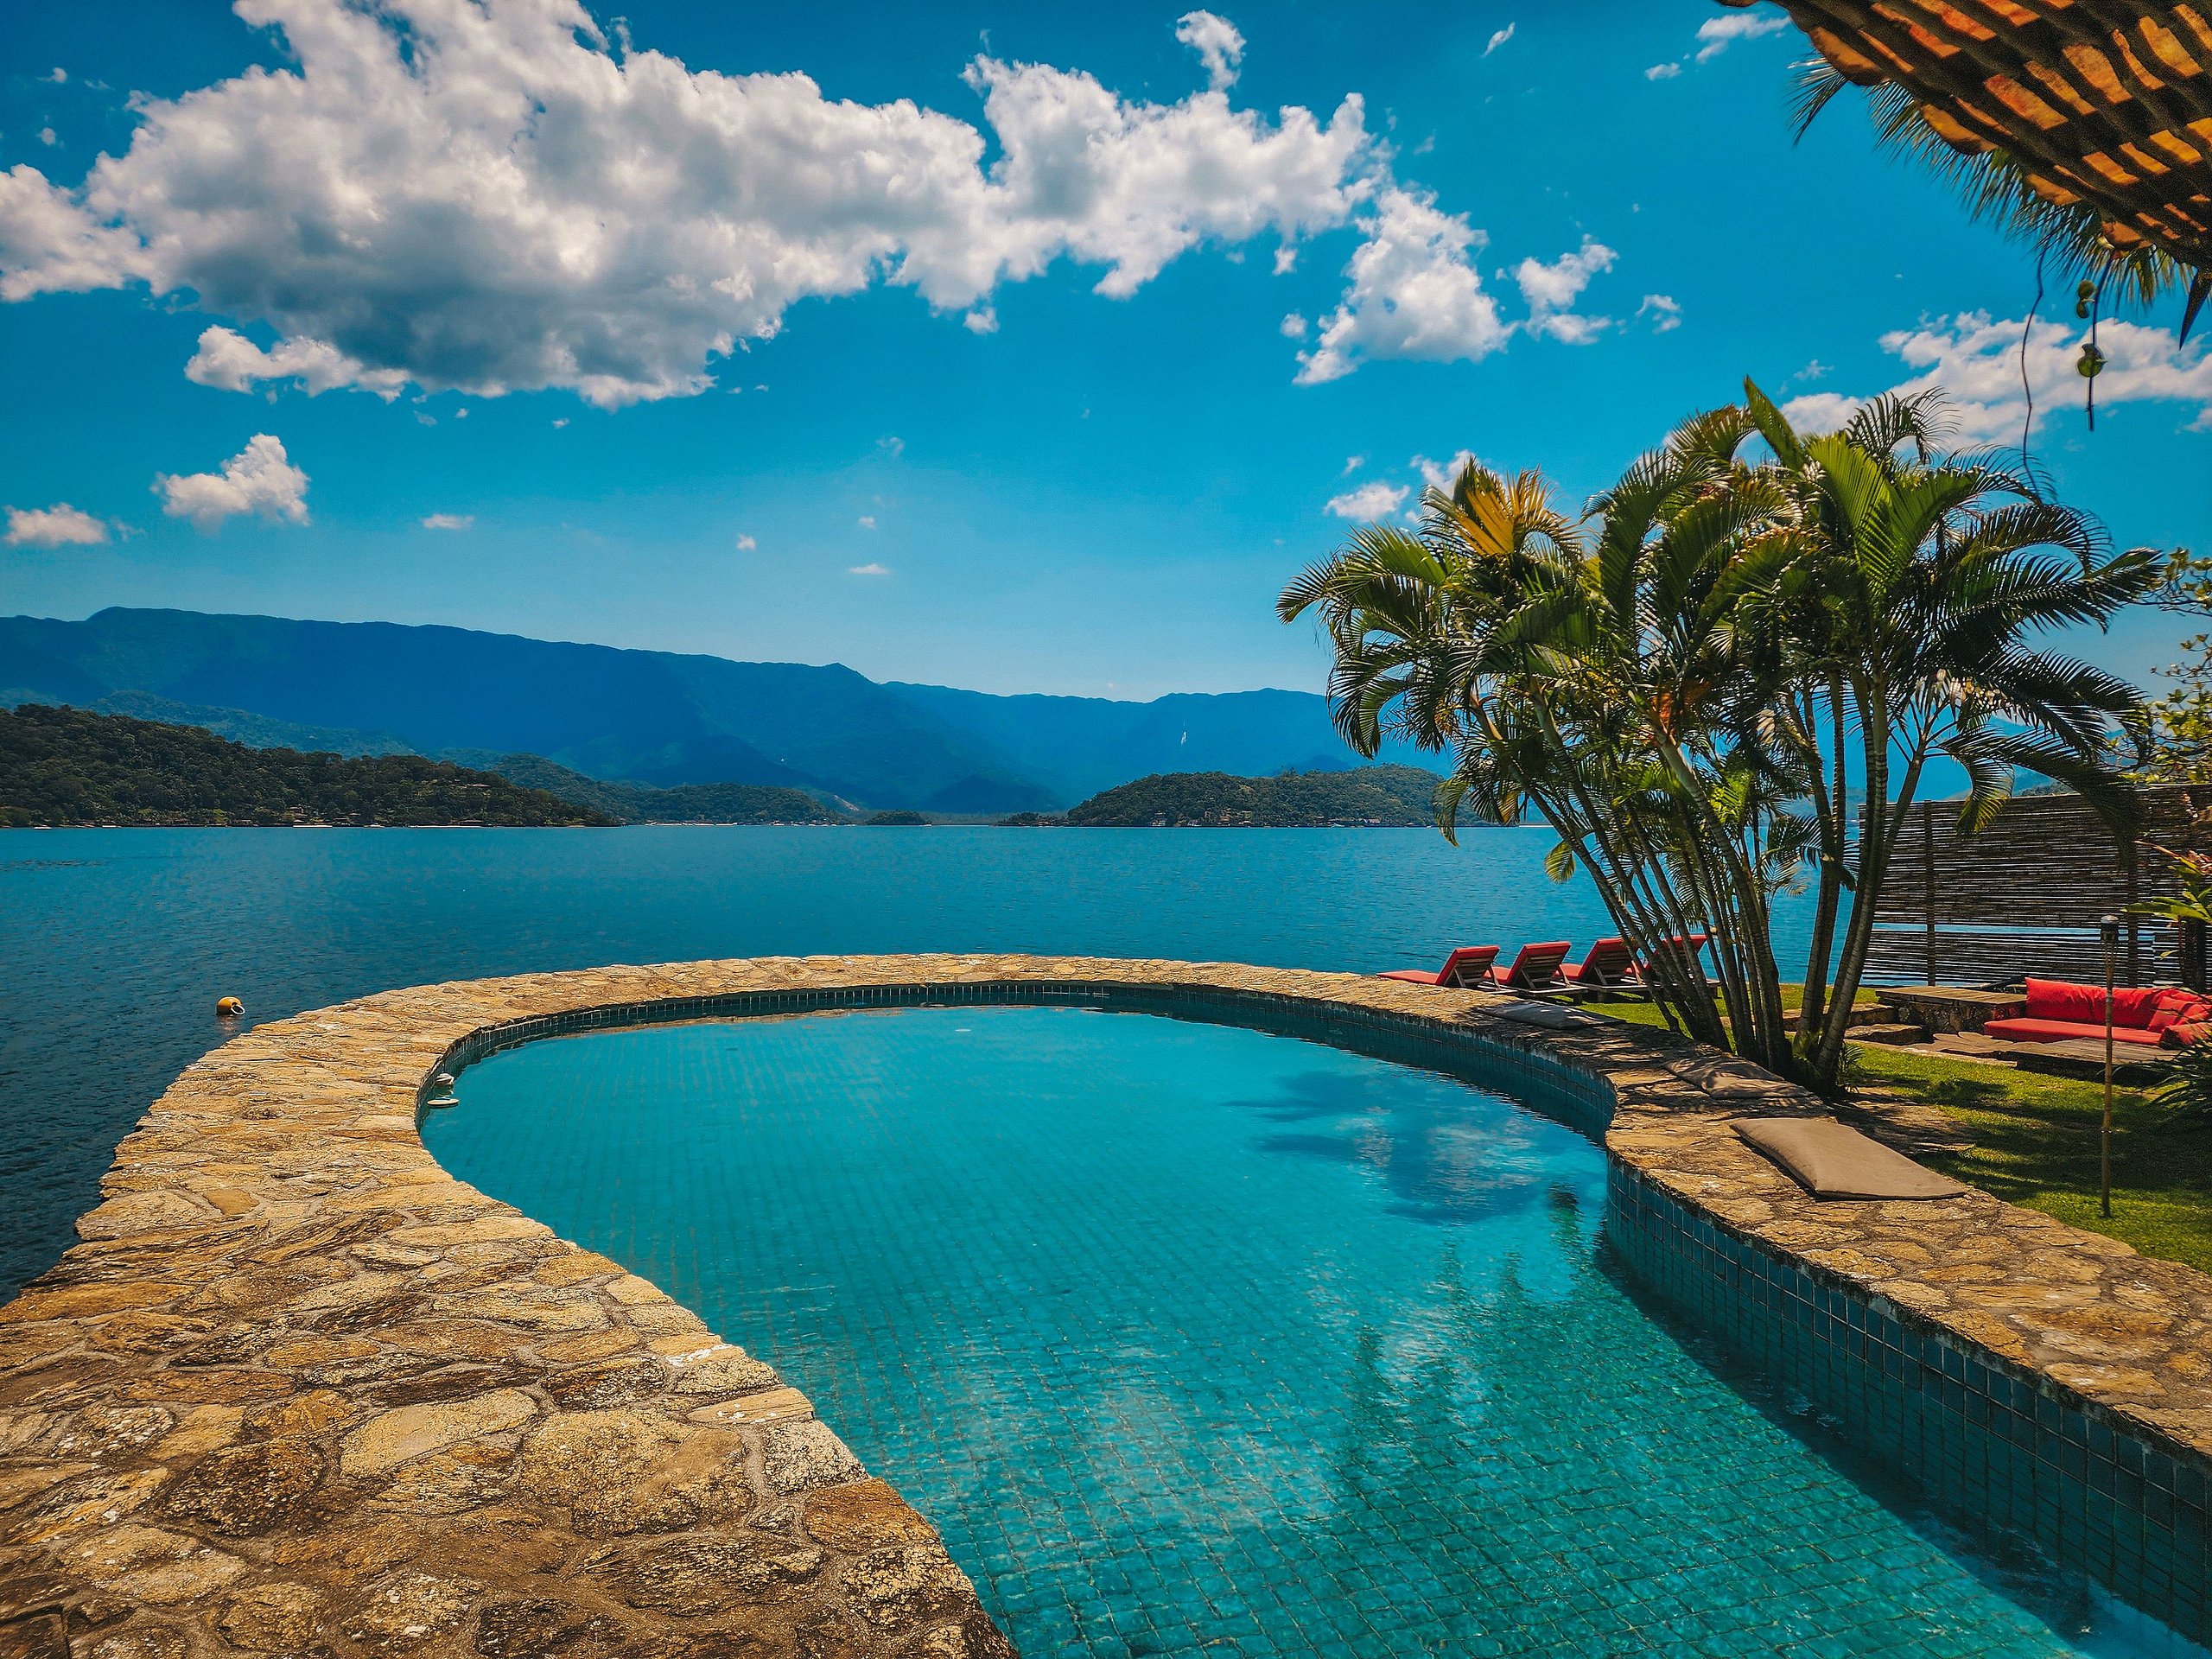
[1193, 1338]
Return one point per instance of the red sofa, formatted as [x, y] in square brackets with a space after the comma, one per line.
[2060, 1011]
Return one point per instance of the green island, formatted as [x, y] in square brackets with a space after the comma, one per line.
[625, 802]
[1382, 797]
[65, 766]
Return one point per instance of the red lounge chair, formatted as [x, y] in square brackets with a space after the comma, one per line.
[1689, 949]
[1536, 968]
[2061, 1011]
[1609, 962]
[1466, 967]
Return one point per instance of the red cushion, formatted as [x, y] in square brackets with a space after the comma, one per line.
[2062, 999]
[2132, 1006]
[2181, 1036]
[1412, 975]
[2084, 1005]
[2032, 1030]
[2179, 1006]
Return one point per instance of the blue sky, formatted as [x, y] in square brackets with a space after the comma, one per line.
[943, 454]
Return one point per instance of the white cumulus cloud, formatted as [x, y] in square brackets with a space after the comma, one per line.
[870, 570]
[449, 521]
[1219, 45]
[496, 198]
[492, 198]
[746, 544]
[259, 478]
[1368, 501]
[229, 361]
[1716, 35]
[1443, 475]
[1294, 325]
[48, 241]
[1975, 359]
[1662, 72]
[1500, 38]
[59, 526]
[1551, 291]
[1665, 312]
[1414, 292]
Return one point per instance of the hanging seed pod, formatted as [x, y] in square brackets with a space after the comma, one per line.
[2091, 363]
[2085, 290]
[2080, 308]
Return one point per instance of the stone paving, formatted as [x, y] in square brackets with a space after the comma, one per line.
[300, 1392]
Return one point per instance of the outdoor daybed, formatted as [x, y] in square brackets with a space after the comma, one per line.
[2060, 1011]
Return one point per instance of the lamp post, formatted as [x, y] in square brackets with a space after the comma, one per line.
[2108, 932]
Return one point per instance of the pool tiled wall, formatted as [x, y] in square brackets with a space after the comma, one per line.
[1984, 1439]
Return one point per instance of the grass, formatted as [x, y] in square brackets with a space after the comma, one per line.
[2034, 1143]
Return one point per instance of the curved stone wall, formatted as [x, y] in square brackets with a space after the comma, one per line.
[299, 1391]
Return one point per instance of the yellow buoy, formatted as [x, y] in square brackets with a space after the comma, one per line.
[229, 1008]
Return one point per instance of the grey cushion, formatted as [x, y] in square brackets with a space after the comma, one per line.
[1550, 1015]
[1832, 1161]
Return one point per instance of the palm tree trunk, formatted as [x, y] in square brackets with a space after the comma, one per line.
[1832, 820]
[1884, 821]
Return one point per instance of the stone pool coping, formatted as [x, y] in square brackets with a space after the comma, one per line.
[299, 1390]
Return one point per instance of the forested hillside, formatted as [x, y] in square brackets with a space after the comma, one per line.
[1363, 796]
[644, 803]
[61, 765]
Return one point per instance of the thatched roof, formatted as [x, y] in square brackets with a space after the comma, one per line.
[2106, 102]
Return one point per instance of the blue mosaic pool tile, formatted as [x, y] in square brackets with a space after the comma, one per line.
[1446, 1431]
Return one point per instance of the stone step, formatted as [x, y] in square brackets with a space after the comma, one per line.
[1867, 1013]
[1896, 1034]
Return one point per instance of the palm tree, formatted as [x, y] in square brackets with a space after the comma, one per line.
[1921, 582]
[1675, 680]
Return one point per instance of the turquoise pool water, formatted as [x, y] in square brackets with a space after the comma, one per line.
[1198, 1340]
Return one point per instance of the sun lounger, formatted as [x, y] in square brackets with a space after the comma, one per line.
[1686, 953]
[1536, 968]
[1609, 962]
[1466, 967]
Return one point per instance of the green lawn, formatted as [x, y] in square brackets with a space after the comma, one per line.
[2036, 1144]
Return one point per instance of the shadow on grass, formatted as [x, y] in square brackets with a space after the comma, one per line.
[1966, 1094]
[2035, 1143]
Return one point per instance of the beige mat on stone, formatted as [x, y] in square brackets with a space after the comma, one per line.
[1832, 1161]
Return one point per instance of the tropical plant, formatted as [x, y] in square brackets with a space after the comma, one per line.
[2181, 720]
[2186, 1089]
[1685, 681]
[1998, 188]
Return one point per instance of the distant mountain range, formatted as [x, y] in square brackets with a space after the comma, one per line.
[645, 716]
